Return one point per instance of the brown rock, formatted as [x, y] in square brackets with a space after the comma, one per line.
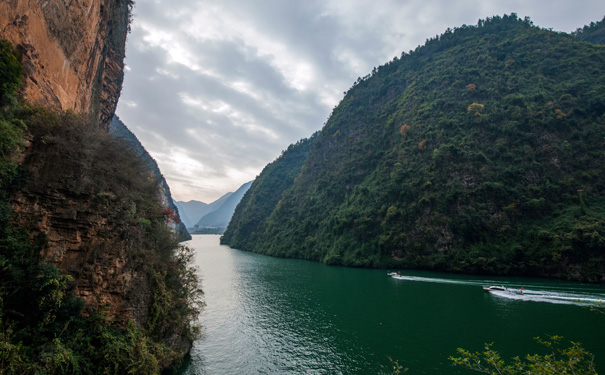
[72, 51]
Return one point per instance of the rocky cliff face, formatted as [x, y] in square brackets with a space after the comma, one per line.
[84, 195]
[72, 51]
[88, 202]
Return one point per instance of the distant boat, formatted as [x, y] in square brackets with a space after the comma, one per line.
[493, 288]
[502, 288]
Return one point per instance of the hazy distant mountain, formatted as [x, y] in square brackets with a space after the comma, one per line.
[191, 211]
[119, 129]
[183, 215]
[219, 218]
[195, 210]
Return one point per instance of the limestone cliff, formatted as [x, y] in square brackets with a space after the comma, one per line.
[75, 197]
[72, 51]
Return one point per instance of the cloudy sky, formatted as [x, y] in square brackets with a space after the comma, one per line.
[216, 89]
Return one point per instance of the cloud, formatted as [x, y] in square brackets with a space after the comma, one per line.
[215, 90]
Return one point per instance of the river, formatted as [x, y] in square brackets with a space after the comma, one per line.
[268, 315]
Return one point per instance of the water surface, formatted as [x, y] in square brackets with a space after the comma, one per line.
[268, 315]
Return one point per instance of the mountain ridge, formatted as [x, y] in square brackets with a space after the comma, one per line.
[220, 217]
[476, 152]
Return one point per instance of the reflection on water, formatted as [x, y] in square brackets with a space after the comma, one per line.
[277, 316]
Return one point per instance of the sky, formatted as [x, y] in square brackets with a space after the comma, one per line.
[216, 89]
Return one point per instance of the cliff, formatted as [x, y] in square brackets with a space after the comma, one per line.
[89, 263]
[72, 51]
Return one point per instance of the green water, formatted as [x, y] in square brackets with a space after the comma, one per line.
[280, 316]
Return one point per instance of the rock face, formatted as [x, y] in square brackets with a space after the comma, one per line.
[72, 51]
[85, 240]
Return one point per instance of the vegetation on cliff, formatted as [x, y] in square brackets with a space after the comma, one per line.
[118, 129]
[481, 151]
[43, 327]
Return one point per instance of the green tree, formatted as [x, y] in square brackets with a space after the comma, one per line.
[572, 360]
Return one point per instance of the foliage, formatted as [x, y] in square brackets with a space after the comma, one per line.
[593, 33]
[10, 72]
[572, 360]
[480, 151]
[42, 330]
[264, 194]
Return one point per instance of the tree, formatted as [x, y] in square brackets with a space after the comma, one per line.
[573, 360]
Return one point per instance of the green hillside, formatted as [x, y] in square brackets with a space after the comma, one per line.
[249, 221]
[593, 33]
[481, 151]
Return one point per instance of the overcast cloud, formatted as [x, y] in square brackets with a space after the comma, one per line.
[216, 89]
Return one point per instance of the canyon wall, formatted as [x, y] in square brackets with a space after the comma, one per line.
[72, 51]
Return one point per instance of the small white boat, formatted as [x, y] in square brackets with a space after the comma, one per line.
[493, 288]
[395, 275]
[502, 288]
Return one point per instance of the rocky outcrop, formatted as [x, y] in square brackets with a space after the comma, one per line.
[72, 51]
[85, 239]
[93, 207]
[86, 198]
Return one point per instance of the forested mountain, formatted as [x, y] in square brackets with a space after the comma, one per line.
[480, 151]
[250, 217]
[593, 33]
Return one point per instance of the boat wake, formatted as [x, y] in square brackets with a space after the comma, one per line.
[569, 295]
[565, 298]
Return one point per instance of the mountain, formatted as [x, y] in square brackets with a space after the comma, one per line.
[195, 210]
[117, 128]
[183, 214]
[93, 279]
[479, 152]
[593, 33]
[249, 220]
[219, 218]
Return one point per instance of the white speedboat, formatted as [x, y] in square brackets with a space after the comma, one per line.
[502, 288]
[494, 288]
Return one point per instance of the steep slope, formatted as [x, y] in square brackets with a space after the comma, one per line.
[117, 128]
[183, 215]
[92, 279]
[480, 151]
[220, 217]
[73, 52]
[249, 219]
